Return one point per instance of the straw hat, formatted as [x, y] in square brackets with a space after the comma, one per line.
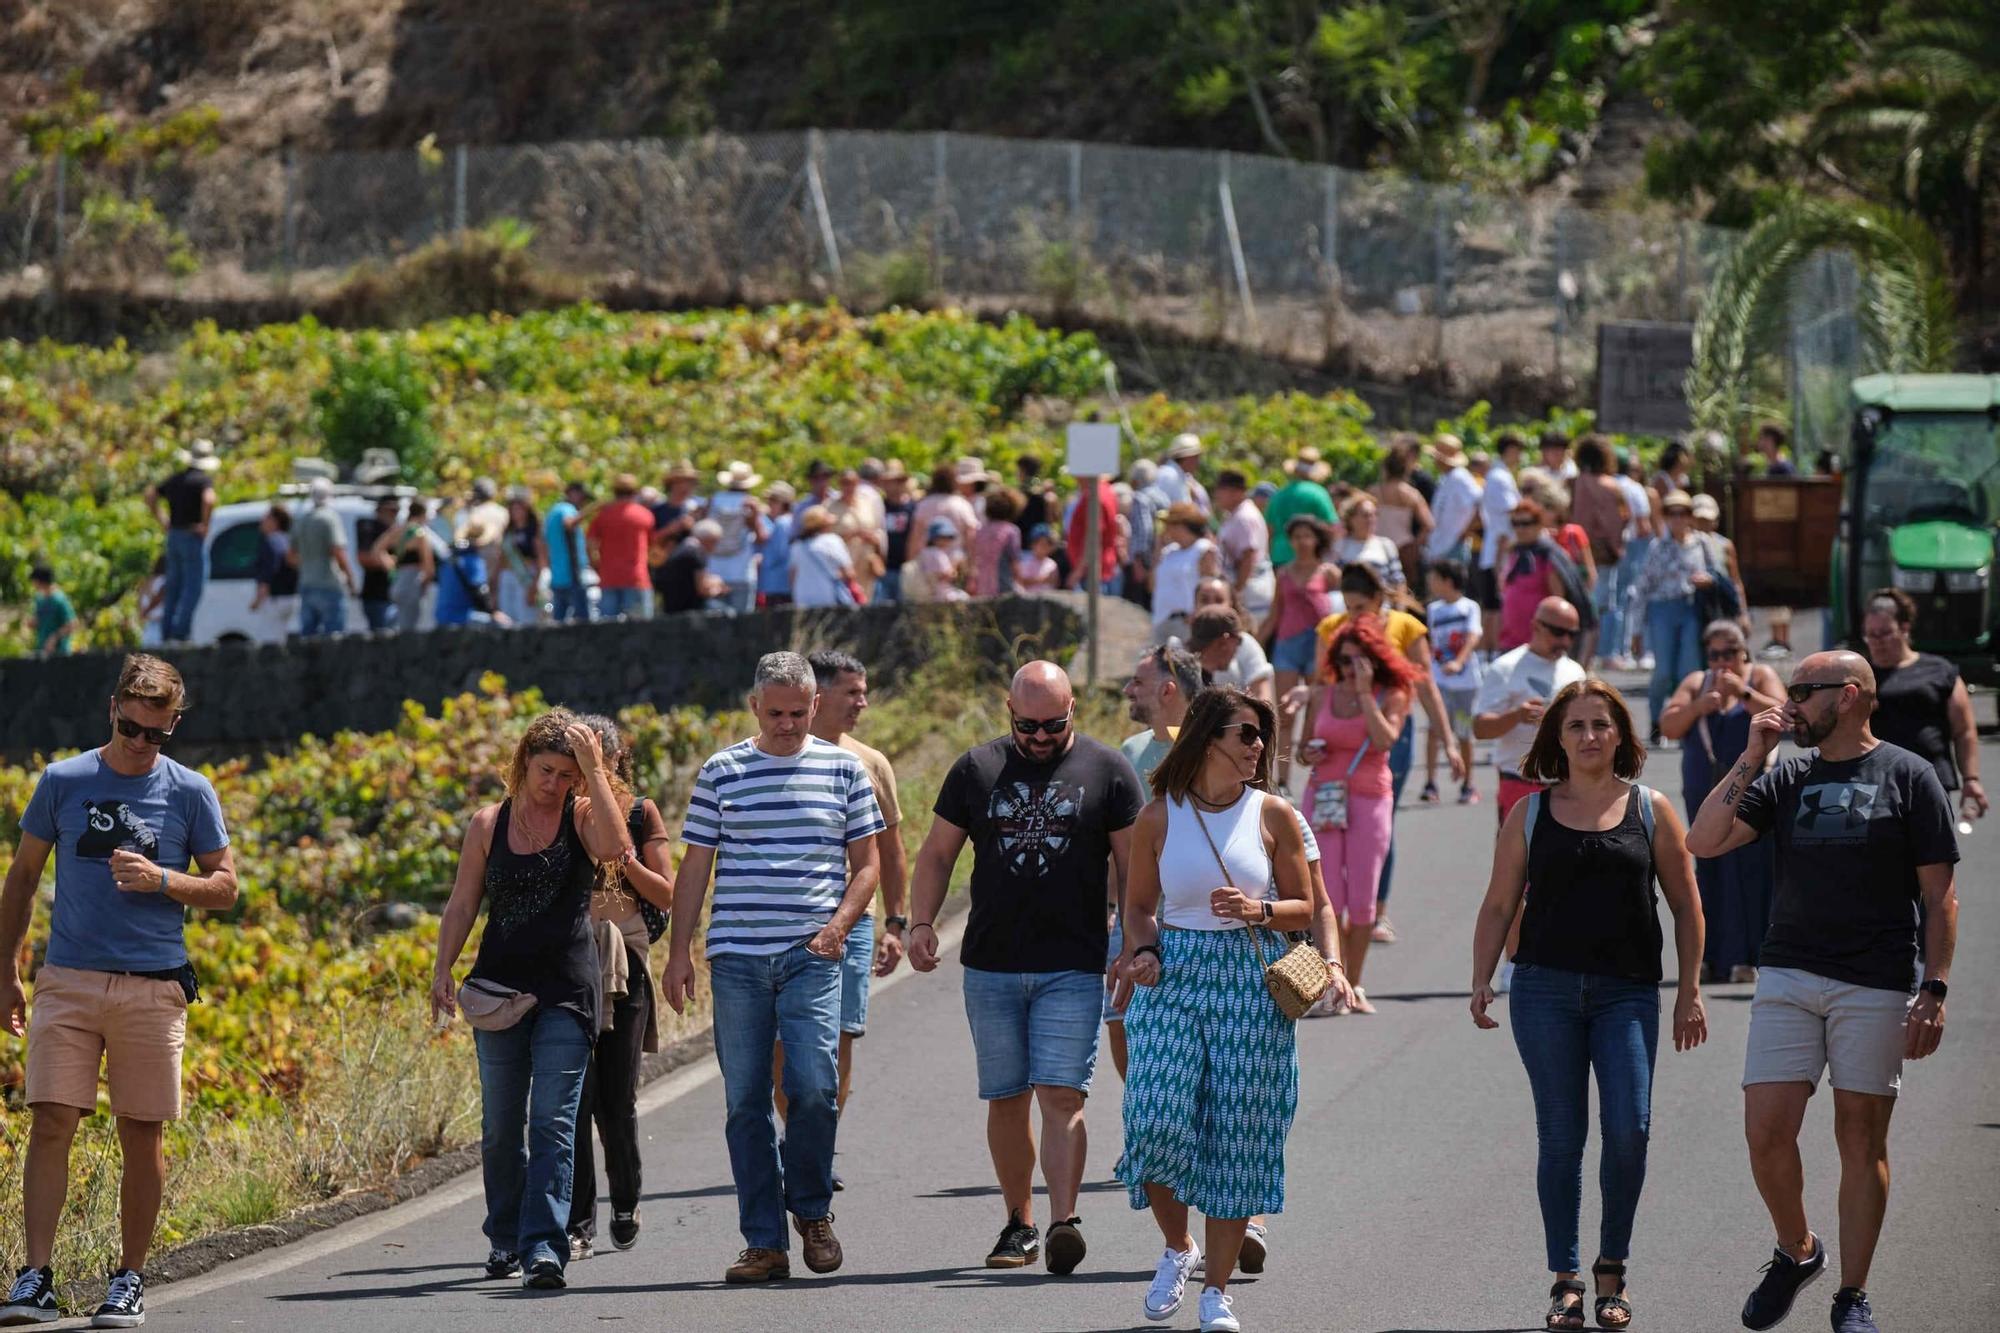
[1705, 506]
[894, 470]
[781, 490]
[1449, 451]
[200, 453]
[1186, 445]
[969, 470]
[683, 471]
[738, 476]
[1187, 515]
[1308, 466]
[1677, 499]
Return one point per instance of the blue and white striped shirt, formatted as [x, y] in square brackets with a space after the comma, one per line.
[780, 825]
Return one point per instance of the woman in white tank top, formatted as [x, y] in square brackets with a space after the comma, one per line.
[1213, 1077]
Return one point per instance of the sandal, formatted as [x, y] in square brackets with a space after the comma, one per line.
[1612, 1311]
[1562, 1314]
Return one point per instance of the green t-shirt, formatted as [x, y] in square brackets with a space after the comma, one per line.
[1294, 498]
[1145, 751]
[52, 612]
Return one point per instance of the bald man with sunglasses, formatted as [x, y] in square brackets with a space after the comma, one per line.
[1864, 834]
[1515, 690]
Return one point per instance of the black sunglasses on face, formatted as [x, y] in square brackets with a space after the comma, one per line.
[1724, 654]
[1054, 726]
[133, 730]
[1254, 734]
[1559, 631]
[1527, 523]
[1805, 690]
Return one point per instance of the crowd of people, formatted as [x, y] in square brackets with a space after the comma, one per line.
[1140, 896]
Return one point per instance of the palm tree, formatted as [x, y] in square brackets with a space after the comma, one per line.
[1908, 322]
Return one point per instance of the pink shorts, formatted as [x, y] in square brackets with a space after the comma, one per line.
[1351, 858]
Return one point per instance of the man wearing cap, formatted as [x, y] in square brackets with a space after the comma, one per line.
[774, 549]
[674, 513]
[1455, 504]
[183, 503]
[1303, 493]
[619, 537]
[1177, 480]
[899, 509]
[736, 511]
[326, 580]
[1497, 499]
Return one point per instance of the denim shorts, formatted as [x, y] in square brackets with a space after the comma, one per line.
[1113, 1013]
[1295, 654]
[1033, 1029]
[857, 965]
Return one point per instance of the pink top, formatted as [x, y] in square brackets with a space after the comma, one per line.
[994, 547]
[1343, 736]
[1520, 594]
[1301, 606]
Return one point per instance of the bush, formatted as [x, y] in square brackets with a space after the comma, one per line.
[489, 270]
[376, 398]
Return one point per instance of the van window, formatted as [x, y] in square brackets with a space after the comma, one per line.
[233, 553]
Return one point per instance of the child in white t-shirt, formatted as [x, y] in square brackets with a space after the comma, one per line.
[1454, 624]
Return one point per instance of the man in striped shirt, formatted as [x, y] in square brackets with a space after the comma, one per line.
[786, 823]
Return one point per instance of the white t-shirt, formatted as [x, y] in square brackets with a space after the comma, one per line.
[1249, 666]
[1496, 509]
[1174, 578]
[1637, 502]
[736, 553]
[1454, 504]
[1452, 623]
[1512, 678]
[817, 566]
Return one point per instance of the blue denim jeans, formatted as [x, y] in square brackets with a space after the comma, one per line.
[1673, 632]
[322, 611]
[1628, 593]
[530, 1078]
[632, 603]
[380, 613]
[759, 1000]
[1402, 755]
[889, 586]
[187, 571]
[1567, 1024]
[738, 599]
[572, 603]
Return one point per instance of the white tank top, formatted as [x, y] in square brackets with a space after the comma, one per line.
[1188, 873]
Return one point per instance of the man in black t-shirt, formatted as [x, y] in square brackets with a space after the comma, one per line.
[1864, 835]
[1049, 814]
[683, 582]
[898, 509]
[188, 500]
[376, 567]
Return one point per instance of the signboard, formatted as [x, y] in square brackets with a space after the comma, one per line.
[1093, 449]
[1641, 377]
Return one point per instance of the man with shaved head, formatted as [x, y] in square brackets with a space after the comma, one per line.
[1516, 689]
[1864, 834]
[1049, 814]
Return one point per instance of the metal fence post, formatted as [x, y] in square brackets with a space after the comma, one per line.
[1329, 220]
[816, 192]
[288, 220]
[1442, 221]
[458, 189]
[1556, 290]
[1075, 191]
[1235, 248]
[62, 190]
[940, 204]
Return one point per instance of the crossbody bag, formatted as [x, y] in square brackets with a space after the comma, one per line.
[1299, 976]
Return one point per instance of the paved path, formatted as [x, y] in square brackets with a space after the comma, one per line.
[1411, 1179]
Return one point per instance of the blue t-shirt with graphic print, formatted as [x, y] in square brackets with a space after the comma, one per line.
[87, 810]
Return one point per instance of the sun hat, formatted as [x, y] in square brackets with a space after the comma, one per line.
[1705, 506]
[1186, 445]
[683, 471]
[738, 476]
[941, 527]
[1308, 466]
[781, 490]
[970, 469]
[1676, 499]
[1187, 515]
[893, 470]
[1449, 451]
[200, 453]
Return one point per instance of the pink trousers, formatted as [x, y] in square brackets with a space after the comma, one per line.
[1351, 858]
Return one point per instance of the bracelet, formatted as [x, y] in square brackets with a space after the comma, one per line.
[163, 879]
[925, 925]
[1335, 964]
[1152, 949]
[899, 922]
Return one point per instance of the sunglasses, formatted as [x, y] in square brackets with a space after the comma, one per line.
[1253, 733]
[1527, 523]
[1805, 690]
[1558, 631]
[134, 731]
[1053, 726]
[1724, 654]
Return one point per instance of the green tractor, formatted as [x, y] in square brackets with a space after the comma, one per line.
[1919, 513]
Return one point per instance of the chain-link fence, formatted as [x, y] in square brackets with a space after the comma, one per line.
[1369, 275]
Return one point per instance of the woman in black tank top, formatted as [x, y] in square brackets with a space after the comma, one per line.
[1585, 996]
[533, 859]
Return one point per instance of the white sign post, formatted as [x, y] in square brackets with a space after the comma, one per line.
[1093, 455]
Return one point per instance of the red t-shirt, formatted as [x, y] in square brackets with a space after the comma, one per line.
[1107, 531]
[622, 530]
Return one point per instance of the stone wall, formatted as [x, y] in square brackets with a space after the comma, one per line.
[252, 697]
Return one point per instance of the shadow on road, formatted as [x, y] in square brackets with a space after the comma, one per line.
[989, 1191]
[700, 1192]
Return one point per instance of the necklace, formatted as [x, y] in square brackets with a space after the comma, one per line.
[1203, 801]
[544, 836]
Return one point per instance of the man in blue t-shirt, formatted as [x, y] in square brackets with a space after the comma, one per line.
[787, 823]
[563, 534]
[123, 822]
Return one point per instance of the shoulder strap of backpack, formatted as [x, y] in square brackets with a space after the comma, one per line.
[1644, 796]
[1534, 803]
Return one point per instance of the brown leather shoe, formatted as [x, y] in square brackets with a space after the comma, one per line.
[758, 1265]
[822, 1249]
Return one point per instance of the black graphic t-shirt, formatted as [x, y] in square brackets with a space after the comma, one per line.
[1041, 842]
[1850, 838]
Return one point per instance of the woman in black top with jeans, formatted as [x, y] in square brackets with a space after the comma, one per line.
[533, 858]
[1585, 995]
[1921, 702]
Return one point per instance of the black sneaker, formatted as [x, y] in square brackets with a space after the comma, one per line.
[1784, 1278]
[625, 1229]
[579, 1244]
[32, 1298]
[1851, 1313]
[125, 1304]
[544, 1275]
[1018, 1245]
[503, 1264]
[1066, 1248]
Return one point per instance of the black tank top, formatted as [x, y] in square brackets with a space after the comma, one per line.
[538, 936]
[1591, 905]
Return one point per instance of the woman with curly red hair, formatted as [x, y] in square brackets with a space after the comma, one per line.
[1356, 716]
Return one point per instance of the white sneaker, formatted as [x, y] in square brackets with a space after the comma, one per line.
[1217, 1313]
[1169, 1290]
[1648, 662]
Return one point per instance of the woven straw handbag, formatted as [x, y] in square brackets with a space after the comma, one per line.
[1300, 976]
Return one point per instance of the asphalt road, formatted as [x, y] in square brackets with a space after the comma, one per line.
[1411, 1180]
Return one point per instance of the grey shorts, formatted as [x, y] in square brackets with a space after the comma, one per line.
[1803, 1025]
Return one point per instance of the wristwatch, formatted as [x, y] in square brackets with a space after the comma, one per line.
[896, 922]
[1934, 986]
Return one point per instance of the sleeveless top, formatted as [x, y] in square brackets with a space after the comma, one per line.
[1188, 872]
[1911, 704]
[1343, 736]
[1591, 906]
[538, 937]
[1708, 750]
[1395, 523]
[1301, 606]
[1175, 577]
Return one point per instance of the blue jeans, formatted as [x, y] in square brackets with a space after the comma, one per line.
[889, 586]
[1401, 756]
[187, 571]
[759, 1000]
[738, 599]
[1033, 1029]
[1565, 1025]
[1673, 632]
[632, 603]
[572, 603]
[857, 969]
[322, 611]
[381, 614]
[530, 1079]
